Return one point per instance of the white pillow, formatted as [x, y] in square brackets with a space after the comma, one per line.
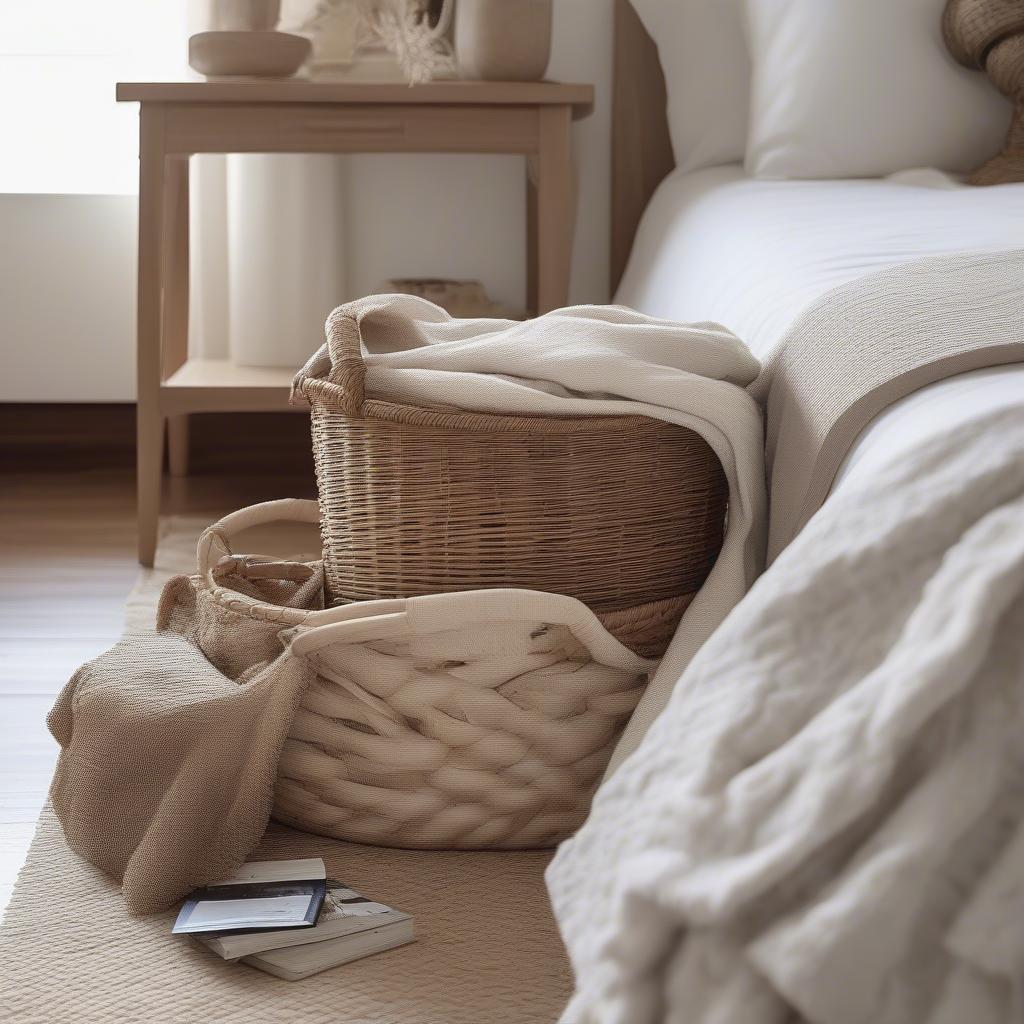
[703, 54]
[863, 88]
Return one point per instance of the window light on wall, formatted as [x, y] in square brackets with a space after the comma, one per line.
[62, 130]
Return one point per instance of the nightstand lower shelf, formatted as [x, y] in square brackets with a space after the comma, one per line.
[218, 385]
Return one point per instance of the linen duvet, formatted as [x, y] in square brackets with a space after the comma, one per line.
[827, 822]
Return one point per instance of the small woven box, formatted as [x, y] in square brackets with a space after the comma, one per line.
[624, 513]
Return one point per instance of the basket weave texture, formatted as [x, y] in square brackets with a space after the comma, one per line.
[624, 513]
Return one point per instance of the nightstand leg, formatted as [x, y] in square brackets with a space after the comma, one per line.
[149, 422]
[175, 300]
[531, 235]
[554, 209]
[177, 445]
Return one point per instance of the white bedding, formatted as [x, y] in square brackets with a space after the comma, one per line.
[826, 823]
[716, 245]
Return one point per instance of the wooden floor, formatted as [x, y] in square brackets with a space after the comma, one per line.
[67, 562]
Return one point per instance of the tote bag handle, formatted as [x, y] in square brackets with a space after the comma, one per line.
[215, 542]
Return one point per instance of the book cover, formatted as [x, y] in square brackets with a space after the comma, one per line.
[346, 913]
[261, 895]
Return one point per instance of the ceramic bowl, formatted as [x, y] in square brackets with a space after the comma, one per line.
[255, 54]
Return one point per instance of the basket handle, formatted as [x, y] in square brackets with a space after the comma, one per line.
[354, 630]
[215, 542]
[338, 361]
[348, 370]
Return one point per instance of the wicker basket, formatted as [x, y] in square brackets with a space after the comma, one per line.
[624, 513]
[476, 720]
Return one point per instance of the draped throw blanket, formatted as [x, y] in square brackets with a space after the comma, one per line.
[170, 740]
[849, 356]
[592, 361]
[827, 821]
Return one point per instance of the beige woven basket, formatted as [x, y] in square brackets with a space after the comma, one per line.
[624, 513]
[476, 720]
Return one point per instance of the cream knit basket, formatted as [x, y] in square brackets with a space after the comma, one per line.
[474, 720]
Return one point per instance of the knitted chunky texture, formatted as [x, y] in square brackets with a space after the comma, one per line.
[988, 35]
[477, 720]
[492, 736]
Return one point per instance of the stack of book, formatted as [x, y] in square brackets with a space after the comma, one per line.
[288, 919]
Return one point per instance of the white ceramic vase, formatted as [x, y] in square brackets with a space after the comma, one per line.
[503, 40]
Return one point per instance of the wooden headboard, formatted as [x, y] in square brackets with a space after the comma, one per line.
[641, 150]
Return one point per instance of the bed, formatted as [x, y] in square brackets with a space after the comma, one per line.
[676, 250]
[798, 240]
[826, 822]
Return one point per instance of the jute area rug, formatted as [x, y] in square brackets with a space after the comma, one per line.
[487, 949]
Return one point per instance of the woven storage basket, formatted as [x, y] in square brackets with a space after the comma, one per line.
[476, 720]
[624, 513]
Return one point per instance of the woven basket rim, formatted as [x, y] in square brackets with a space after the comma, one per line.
[330, 397]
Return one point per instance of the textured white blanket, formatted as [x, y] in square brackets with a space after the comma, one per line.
[827, 823]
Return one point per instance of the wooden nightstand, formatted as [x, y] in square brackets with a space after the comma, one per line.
[180, 119]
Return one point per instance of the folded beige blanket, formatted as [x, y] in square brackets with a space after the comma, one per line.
[170, 740]
[863, 347]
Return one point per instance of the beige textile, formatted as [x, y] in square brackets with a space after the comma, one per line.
[867, 344]
[481, 720]
[473, 720]
[487, 950]
[170, 743]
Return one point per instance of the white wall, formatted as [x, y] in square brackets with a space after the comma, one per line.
[67, 262]
[67, 298]
[468, 213]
